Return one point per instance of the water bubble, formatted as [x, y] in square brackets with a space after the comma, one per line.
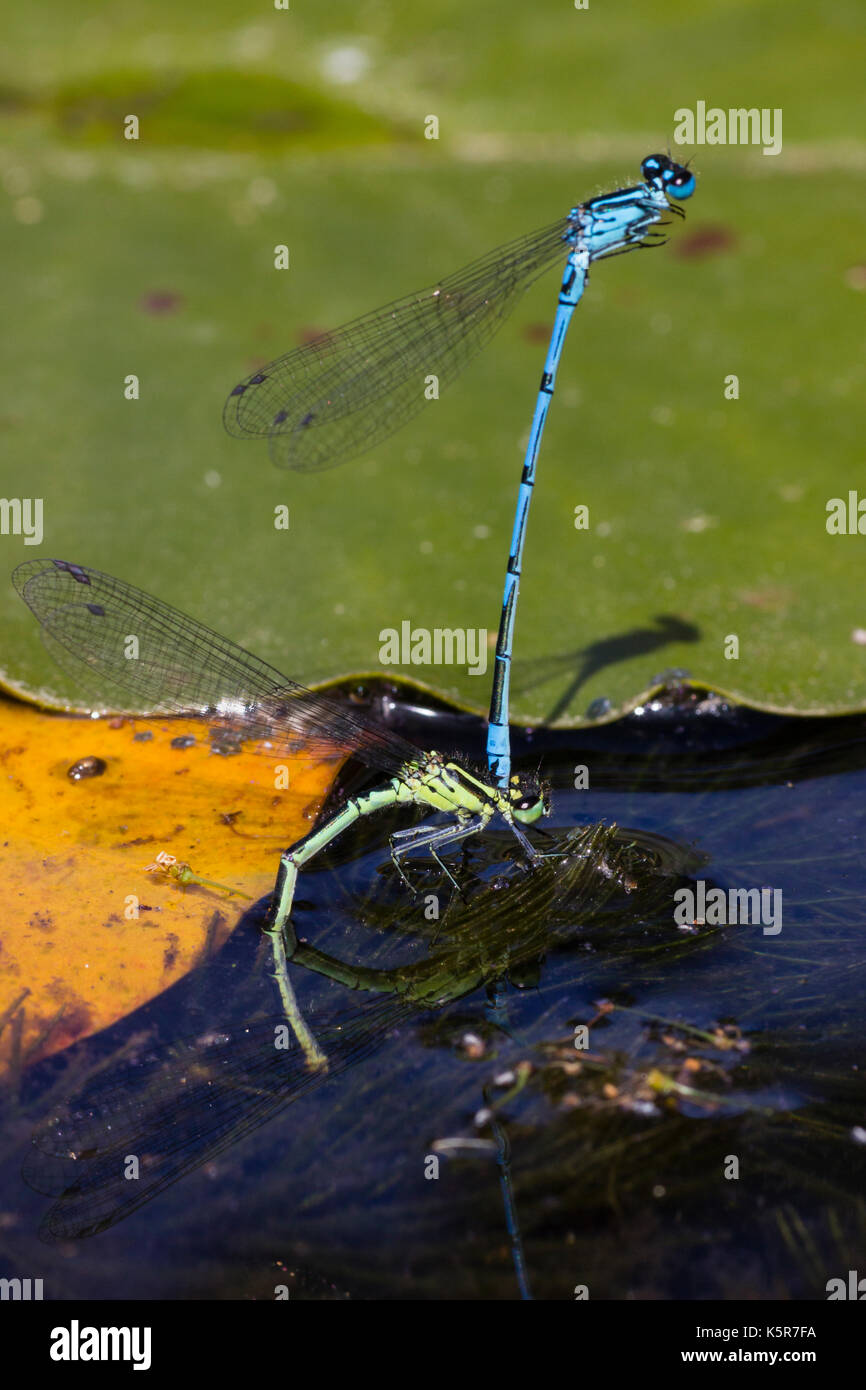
[86, 767]
[599, 708]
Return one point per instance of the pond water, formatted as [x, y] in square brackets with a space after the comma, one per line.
[708, 1141]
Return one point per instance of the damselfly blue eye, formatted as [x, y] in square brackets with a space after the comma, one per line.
[662, 173]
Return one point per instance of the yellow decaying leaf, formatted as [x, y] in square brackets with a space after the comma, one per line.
[88, 934]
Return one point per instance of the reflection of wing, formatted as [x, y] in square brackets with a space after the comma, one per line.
[346, 391]
[175, 1109]
[106, 633]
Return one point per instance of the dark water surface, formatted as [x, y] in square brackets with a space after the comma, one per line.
[713, 1049]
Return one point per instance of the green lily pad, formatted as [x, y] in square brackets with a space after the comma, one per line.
[155, 259]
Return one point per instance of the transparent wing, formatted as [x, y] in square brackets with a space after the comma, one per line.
[346, 391]
[119, 640]
[177, 1107]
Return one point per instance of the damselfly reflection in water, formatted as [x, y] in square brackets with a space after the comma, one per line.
[182, 1104]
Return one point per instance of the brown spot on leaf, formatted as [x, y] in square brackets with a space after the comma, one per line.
[702, 242]
[160, 302]
[769, 599]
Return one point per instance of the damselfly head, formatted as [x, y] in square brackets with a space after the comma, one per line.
[529, 797]
[677, 180]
